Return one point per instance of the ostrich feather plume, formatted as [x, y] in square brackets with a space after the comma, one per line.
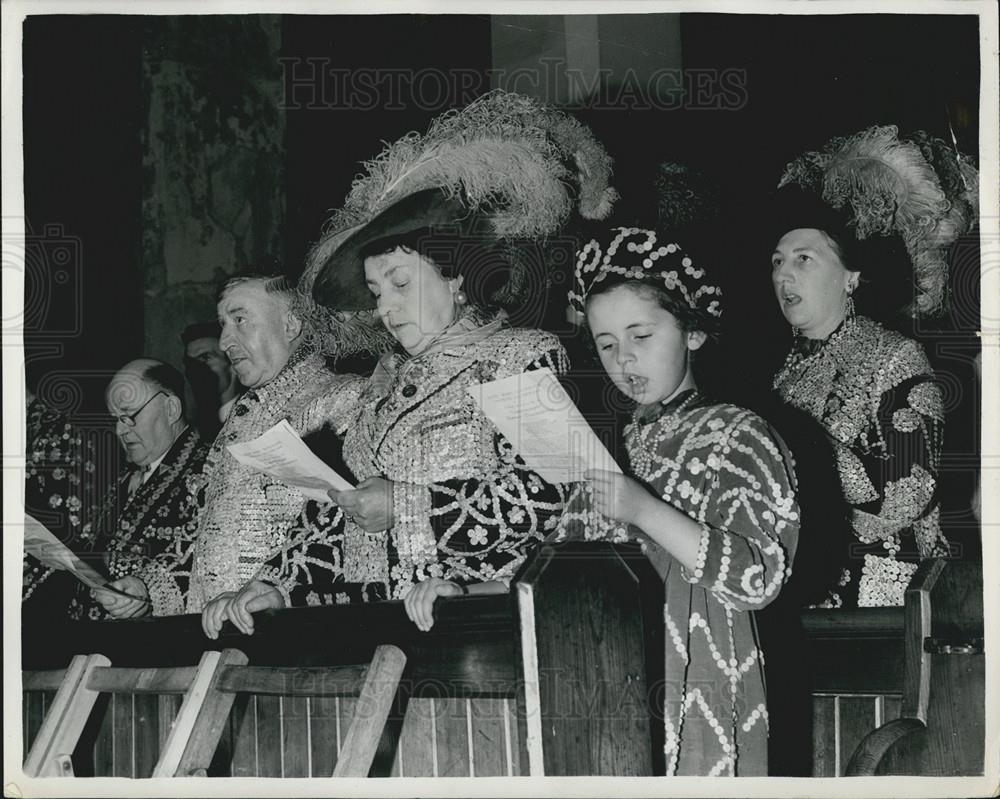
[918, 188]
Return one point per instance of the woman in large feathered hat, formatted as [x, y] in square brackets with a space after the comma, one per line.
[865, 207]
[440, 235]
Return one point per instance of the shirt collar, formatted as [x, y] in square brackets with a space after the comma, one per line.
[152, 466]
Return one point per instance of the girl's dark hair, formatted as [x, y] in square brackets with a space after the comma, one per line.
[481, 263]
[687, 317]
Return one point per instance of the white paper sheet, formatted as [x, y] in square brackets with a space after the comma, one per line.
[546, 429]
[42, 543]
[283, 455]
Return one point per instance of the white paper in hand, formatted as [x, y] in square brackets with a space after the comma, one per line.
[42, 543]
[283, 455]
[546, 429]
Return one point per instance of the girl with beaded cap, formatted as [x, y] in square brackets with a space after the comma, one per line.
[710, 495]
[871, 203]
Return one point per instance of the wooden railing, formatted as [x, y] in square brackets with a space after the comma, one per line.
[553, 678]
[560, 677]
[901, 690]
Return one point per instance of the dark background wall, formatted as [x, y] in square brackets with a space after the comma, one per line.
[163, 153]
[83, 113]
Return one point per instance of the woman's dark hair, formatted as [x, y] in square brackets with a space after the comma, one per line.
[883, 261]
[841, 244]
[481, 262]
[886, 275]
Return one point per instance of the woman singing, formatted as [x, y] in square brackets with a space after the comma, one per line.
[444, 505]
[860, 205]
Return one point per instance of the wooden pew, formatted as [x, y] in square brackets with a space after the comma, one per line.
[561, 676]
[587, 617]
[901, 690]
[941, 730]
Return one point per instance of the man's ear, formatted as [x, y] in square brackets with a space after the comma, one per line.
[695, 339]
[293, 326]
[175, 409]
[851, 284]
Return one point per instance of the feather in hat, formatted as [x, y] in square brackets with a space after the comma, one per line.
[894, 186]
[505, 154]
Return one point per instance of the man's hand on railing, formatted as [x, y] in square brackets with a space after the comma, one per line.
[238, 607]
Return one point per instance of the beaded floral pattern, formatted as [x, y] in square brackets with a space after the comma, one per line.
[722, 466]
[133, 534]
[873, 391]
[466, 507]
[247, 513]
[59, 490]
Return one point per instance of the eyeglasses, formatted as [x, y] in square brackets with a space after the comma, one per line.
[129, 419]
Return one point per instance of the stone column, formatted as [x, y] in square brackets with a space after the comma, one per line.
[213, 164]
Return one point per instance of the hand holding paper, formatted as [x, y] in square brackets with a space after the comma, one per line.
[283, 455]
[42, 544]
[546, 429]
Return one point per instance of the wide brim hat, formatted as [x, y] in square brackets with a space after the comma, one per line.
[793, 208]
[340, 281]
[916, 187]
[505, 170]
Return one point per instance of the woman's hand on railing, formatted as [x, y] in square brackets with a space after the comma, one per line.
[238, 607]
[419, 602]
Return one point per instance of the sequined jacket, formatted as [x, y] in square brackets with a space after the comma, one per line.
[466, 507]
[131, 533]
[59, 491]
[724, 468]
[873, 391]
[245, 513]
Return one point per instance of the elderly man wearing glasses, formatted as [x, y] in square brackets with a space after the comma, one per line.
[153, 508]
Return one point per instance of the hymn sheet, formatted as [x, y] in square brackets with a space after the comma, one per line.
[543, 424]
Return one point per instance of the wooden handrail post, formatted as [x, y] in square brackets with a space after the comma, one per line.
[200, 721]
[940, 729]
[584, 699]
[51, 752]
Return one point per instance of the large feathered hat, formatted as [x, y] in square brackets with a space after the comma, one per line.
[505, 169]
[875, 184]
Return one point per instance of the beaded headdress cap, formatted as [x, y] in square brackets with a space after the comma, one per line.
[516, 166]
[917, 187]
[647, 256]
